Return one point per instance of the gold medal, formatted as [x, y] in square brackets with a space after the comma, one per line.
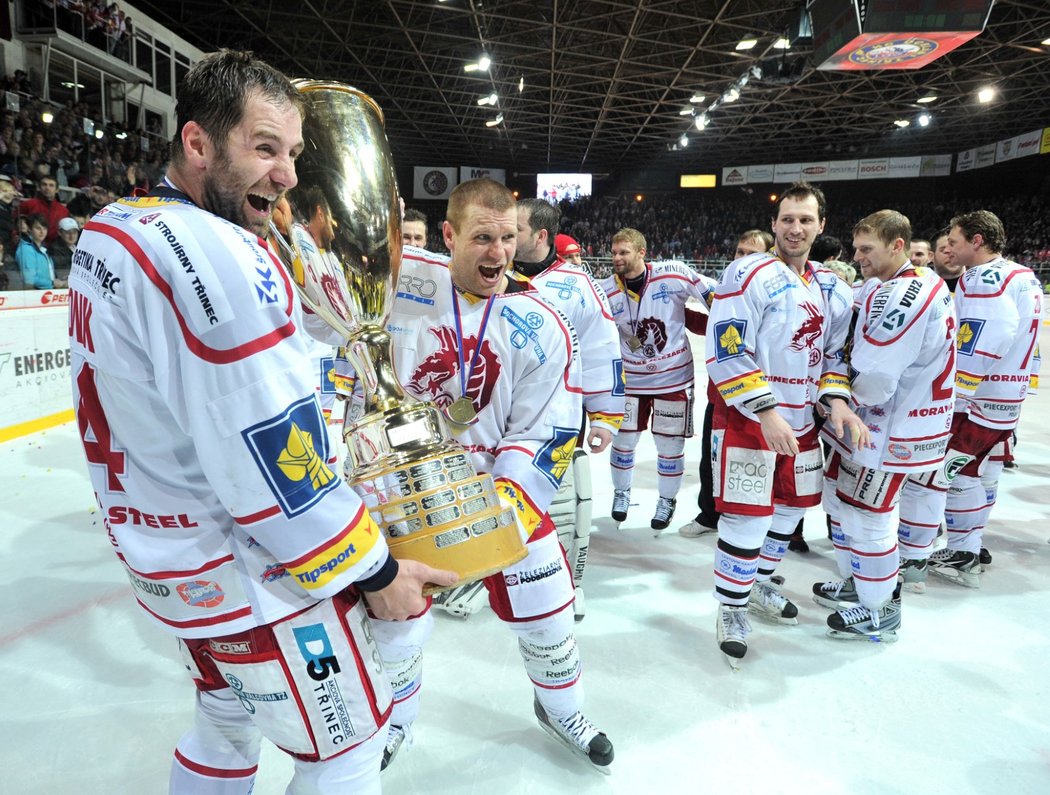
[461, 411]
[634, 343]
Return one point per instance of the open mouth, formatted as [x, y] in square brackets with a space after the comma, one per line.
[490, 274]
[260, 204]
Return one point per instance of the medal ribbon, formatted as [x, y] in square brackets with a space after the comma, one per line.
[464, 376]
[627, 297]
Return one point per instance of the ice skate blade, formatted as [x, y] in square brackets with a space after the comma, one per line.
[833, 604]
[889, 636]
[914, 587]
[965, 579]
[575, 751]
[733, 662]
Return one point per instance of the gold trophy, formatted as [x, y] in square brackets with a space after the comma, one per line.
[341, 243]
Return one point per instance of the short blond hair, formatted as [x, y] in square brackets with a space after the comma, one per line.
[484, 192]
[632, 236]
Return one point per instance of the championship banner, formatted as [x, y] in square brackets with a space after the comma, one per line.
[34, 361]
[787, 172]
[874, 168]
[734, 175]
[469, 172]
[760, 174]
[433, 182]
[905, 167]
[842, 170]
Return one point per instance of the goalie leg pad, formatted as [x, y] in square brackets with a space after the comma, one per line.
[577, 554]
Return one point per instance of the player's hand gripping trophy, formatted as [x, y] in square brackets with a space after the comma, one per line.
[340, 239]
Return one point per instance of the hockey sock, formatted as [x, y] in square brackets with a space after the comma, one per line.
[740, 539]
[622, 459]
[775, 545]
[401, 649]
[964, 514]
[552, 661]
[670, 464]
[220, 754]
[921, 511]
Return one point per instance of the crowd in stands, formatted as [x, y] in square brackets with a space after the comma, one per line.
[101, 24]
[56, 171]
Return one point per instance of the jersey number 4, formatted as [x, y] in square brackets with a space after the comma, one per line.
[92, 422]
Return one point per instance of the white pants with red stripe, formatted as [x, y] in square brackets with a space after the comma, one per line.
[970, 503]
[921, 512]
[220, 756]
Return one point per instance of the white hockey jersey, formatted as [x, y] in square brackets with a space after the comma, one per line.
[902, 372]
[1000, 306]
[205, 441]
[664, 362]
[775, 333]
[584, 303]
[524, 383]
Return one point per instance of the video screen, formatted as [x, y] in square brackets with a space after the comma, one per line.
[559, 187]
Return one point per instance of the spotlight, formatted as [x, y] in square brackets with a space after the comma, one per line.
[927, 99]
[696, 99]
[924, 120]
[986, 95]
[495, 122]
[98, 134]
[47, 117]
[902, 123]
[683, 141]
[686, 112]
[732, 95]
[782, 44]
[491, 99]
[746, 44]
[701, 121]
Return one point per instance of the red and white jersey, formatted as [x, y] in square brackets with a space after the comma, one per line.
[204, 438]
[775, 333]
[999, 305]
[902, 367]
[524, 383]
[656, 318]
[584, 303]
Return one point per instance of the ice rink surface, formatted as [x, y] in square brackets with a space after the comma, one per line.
[95, 696]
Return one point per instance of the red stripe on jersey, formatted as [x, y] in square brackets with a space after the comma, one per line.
[919, 438]
[914, 320]
[518, 449]
[1020, 272]
[214, 772]
[351, 526]
[258, 516]
[565, 333]
[171, 575]
[196, 346]
[747, 281]
[192, 623]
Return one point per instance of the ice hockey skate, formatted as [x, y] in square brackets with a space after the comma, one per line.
[862, 623]
[621, 502]
[396, 737]
[695, 529]
[957, 566]
[769, 604]
[835, 593]
[733, 629]
[913, 575]
[664, 512]
[985, 557]
[579, 734]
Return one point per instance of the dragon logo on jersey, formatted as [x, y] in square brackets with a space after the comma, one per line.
[969, 332]
[729, 339]
[291, 450]
[438, 375]
[556, 456]
[807, 334]
[653, 335]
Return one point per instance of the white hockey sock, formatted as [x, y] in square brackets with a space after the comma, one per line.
[552, 661]
[220, 754]
[921, 512]
[965, 512]
[740, 540]
[775, 545]
[621, 459]
[401, 649]
[670, 464]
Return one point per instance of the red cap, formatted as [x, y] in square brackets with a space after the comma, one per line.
[566, 245]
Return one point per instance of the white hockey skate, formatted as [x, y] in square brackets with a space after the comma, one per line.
[396, 737]
[578, 734]
[862, 623]
[835, 594]
[733, 628]
[957, 566]
[768, 603]
[693, 529]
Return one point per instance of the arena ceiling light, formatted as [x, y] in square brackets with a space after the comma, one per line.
[683, 141]
[746, 44]
[696, 99]
[47, 117]
[927, 99]
[495, 122]
[490, 99]
[782, 44]
[902, 123]
[686, 112]
[701, 122]
[732, 95]
[1045, 42]
[924, 120]
[482, 65]
[986, 95]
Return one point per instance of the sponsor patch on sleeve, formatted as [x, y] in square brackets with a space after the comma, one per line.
[968, 334]
[729, 339]
[556, 455]
[618, 379]
[291, 450]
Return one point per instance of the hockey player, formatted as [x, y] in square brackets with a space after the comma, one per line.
[569, 250]
[502, 363]
[414, 229]
[706, 519]
[777, 325]
[207, 451]
[648, 304]
[902, 361]
[999, 306]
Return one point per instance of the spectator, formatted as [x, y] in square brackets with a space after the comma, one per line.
[47, 205]
[38, 271]
[8, 210]
[61, 251]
